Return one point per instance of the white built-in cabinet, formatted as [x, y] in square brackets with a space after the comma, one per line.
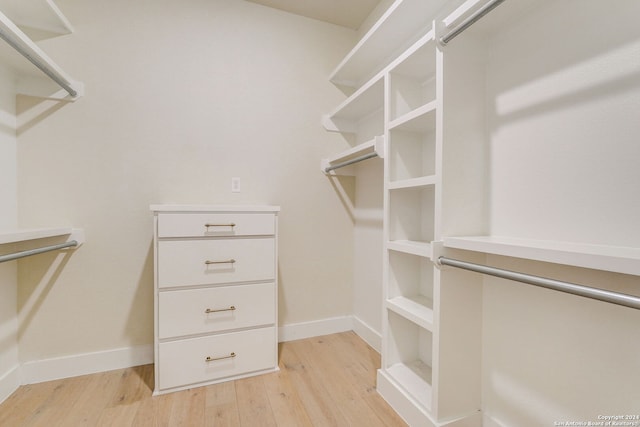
[428, 102]
[430, 369]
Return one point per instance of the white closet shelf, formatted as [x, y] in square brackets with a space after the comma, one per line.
[17, 47]
[421, 119]
[23, 235]
[418, 309]
[599, 257]
[38, 14]
[412, 247]
[362, 103]
[402, 24]
[423, 181]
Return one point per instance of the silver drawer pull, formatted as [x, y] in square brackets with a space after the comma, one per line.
[212, 359]
[229, 261]
[231, 224]
[218, 310]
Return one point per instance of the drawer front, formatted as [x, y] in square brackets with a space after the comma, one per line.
[196, 311]
[185, 362]
[216, 261]
[215, 224]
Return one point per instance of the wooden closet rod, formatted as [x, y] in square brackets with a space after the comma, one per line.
[557, 285]
[17, 255]
[472, 19]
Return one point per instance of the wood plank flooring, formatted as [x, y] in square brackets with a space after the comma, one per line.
[323, 381]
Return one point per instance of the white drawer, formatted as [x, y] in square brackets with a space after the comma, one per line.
[215, 224]
[215, 261]
[185, 362]
[196, 311]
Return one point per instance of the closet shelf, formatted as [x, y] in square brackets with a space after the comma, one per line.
[365, 101]
[24, 235]
[373, 146]
[23, 55]
[418, 309]
[616, 259]
[423, 181]
[42, 15]
[421, 119]
[402, 24]
[412, 247]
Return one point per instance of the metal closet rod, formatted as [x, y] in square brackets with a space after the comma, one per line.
[350, 162]
[17, 255]
[472, 19]
[557, 285]
[45, 68]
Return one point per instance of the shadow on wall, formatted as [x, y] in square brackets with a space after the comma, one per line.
[36, 277]
[31, 110]
[141, 310]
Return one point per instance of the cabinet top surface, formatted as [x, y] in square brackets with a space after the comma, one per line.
[213, 208]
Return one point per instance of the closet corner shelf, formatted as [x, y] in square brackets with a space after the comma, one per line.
[402, 24]
[363, 102]
[23, 55]
[23, 235]
[417, 309]
[375, 145]
[616, 259]
[412, 247]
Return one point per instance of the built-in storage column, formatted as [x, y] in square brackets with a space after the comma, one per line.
[431, 336]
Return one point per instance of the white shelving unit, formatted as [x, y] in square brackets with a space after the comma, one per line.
[17, 19]
[402, 24]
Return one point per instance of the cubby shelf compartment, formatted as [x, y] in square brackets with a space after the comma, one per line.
[410, 289]
[412, 146]
[409, 358]
[411, 214]
[420, 119]
[403, 23]
[375, 145]
[417, 309]
[617, 259]
[423, 181]
[412, 247]
[362, 104]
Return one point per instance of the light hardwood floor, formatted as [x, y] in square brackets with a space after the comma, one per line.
[323, 381]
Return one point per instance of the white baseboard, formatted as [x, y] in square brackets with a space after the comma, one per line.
[9, 382]
[87, 363]
[298, 331]
[90, 363]
[368, 334]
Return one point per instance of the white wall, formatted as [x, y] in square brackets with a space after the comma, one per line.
[8, 221]
[564, 102]
[180, 97]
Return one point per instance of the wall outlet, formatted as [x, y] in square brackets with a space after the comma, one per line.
[235, 185]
